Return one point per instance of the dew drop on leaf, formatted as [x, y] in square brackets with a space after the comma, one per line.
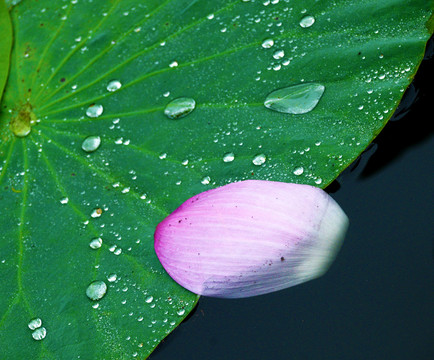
[259, 159]
[96, 290]
[114, 85]
[278, 54]
[297, 99]
[112, 277]
[179, 108]
[267, 43]
[298, 170]
[94, 110]
[205, 180]
[39, 333]
[34, 323]
[228, 157]
[91, 143]
[95, 243]
[96, 213]
[173, 64]
[307, 21]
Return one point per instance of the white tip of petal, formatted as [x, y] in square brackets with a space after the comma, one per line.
[250, 238]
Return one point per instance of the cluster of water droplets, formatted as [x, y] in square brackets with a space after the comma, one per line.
[38, 331]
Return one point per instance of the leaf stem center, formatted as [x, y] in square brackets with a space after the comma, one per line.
[22, 123]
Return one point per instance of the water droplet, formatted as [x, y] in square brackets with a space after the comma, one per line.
[64, 200]
[39, 334]
[96, 213]
[179, 108]
[91, 143]
[94, 110]
[114, 85]
[34, 323]
[205, 180]
[259, 159]
[297, 99]
[278, 54]
[267, 43]
[173, 64]
[228, 157]
[95, 243]
[298, 170]
[112, 277]
[307, 21]
[96, 290]
[149, 299]
[181, 312]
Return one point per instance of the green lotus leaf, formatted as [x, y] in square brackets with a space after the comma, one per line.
[115, 112]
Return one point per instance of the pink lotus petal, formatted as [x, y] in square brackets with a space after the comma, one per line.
[250, 238]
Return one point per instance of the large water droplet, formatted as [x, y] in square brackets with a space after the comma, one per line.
[94, 110]
[228, 157]
[297, 99]
[298, 170]
[34, 324]
[278, 54]
[91, 143]
[95, 243]
[96, 290]
[112, 277]
[205, 180]
[179, 107]
[96, 213]
[39, 333]
[259, 159]
[267, 43]
[307, 21]
[114, 85]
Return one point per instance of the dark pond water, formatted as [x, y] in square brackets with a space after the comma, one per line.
[377, 300]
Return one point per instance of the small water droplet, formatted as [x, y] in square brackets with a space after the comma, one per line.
[96, 213]
[205, 180]
[112, 277]
[267, 43]
[91, 143]
[114, 85]
[307, 21]
[149, 299]
[96, 290]
[34, 323]
[94, 110]
[297, 99]
[179, 108]
[228, 157]
[181, 312]
[95, 243]
[39, 333]
[278, 54]
[64, 200]
[259, 159]
[298, 170]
